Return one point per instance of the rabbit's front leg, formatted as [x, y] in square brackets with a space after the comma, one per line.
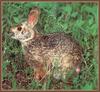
[39, 74]
[37, 66]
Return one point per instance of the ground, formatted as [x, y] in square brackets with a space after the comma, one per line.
[77, 19]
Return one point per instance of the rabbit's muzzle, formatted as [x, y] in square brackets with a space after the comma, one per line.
[11, 34]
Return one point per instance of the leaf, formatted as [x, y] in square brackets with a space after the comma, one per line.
[93, 29]
[29, 5]
[44, 86]
[74, 14]
[16, 19]
[91, 20]
[48, 83]
[68, 9]
[79, 23]
[33, 84]
[93, 10]
[47, 5]
[88, 87]
[14, 84]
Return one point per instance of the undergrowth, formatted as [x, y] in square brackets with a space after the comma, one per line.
[78, 19]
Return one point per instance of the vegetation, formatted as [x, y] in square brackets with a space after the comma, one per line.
[77, 19]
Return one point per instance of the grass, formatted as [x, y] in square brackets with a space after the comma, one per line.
[78, 19]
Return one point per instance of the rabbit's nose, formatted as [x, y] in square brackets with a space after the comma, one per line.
[11, 33]
[12, 29]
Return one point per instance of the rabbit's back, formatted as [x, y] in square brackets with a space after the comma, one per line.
[45, 50]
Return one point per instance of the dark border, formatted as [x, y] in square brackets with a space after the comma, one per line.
[98, 90]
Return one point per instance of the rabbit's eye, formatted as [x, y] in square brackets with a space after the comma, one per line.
[19, 28]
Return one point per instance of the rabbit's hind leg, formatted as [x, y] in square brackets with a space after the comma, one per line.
[66, 64]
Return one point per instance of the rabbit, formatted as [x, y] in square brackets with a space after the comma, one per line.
[57, 52]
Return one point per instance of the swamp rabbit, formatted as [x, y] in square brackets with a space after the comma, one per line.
[56, 52]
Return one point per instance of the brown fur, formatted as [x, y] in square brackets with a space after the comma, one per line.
[43, 51]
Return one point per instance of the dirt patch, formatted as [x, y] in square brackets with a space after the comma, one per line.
[6, 84]
[21, 78]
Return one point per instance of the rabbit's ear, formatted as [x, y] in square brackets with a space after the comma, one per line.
[33, 16]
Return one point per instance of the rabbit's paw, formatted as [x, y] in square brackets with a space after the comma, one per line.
[39, 75]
